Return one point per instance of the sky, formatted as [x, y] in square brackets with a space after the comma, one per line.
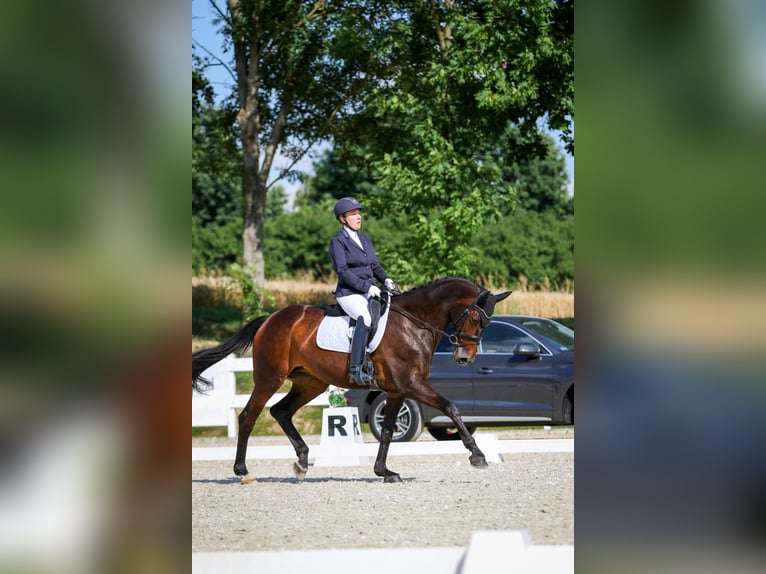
[208, 42]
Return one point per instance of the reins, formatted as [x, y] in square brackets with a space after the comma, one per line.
[417, 320]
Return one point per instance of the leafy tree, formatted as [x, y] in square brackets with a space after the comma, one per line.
[519, 243]
[536, 169]
[337, 175]
[455, 75]
[216, 246]
[216, 196]
[537, 246]
[299, 241]
[216, 181]
[276, 202]
[415, 92]
[298, 65]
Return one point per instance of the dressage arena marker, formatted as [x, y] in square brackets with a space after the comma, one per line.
[340, 430]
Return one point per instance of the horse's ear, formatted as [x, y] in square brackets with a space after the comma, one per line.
[502, 296]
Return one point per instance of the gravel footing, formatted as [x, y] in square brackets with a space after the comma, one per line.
[440, 502]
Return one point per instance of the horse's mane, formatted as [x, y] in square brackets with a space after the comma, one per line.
[430, 284]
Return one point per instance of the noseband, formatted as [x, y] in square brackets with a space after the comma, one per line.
[457, 326]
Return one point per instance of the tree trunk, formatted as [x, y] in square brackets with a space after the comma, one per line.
[254, 207]
[253, 191]
[246, 58]
[255, 181]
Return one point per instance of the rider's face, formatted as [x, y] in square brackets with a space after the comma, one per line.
[353, 219]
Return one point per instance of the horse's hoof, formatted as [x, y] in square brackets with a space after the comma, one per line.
[479, 462]
[248, 479]
[300, 472]
[392, 478]
[240, 469]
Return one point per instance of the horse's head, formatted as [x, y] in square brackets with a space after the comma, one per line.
[469, 326]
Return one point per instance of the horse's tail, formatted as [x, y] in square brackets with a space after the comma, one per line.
[238, 343]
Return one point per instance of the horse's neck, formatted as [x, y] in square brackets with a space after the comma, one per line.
[434, 306]
[430, 314]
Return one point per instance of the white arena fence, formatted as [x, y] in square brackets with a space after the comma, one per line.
[219, 406]
[488, 552]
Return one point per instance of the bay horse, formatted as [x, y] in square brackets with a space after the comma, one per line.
[284, 347]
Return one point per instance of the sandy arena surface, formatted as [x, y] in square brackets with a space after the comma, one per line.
[440, 501]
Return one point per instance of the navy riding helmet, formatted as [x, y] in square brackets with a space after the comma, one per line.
[346, 204]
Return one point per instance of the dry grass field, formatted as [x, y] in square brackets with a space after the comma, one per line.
[218, 290]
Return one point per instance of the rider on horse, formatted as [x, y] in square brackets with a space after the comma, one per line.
[354, 260]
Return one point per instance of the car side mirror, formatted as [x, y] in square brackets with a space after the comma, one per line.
[527, 349]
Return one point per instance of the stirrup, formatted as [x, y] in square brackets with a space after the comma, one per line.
[358, 376]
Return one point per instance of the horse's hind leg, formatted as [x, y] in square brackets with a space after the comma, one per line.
[247, 419]
[304, 389]
[261, 394]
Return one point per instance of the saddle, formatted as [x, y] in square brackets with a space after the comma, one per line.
[334, 333]
[377, 308]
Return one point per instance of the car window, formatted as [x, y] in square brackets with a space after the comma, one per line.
[553, 330]
[502, 338]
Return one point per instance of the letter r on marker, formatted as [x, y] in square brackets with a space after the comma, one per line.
[336, 422]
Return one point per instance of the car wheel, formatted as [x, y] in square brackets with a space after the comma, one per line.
[448, 433]
[409, 421]
[567, 408]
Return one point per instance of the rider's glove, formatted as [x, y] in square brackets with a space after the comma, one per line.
[391, 286]
[374, 291]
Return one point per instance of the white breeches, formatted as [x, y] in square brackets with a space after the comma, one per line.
[356, 305]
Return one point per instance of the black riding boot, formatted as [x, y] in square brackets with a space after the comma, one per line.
[355, 359]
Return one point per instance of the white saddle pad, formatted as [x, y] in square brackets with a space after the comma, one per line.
[334, 334]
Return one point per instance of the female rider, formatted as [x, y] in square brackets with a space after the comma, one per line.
[354, 260]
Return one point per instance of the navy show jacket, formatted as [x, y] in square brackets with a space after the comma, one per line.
[355, 267]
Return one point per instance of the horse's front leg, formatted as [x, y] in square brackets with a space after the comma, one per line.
[477, 457]
[386, 433]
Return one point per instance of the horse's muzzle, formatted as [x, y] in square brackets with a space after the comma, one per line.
[464, 361]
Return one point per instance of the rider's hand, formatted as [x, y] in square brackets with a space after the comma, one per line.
[391, 286]
[374, 291]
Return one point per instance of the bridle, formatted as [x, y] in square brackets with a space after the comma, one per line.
[457, 326]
